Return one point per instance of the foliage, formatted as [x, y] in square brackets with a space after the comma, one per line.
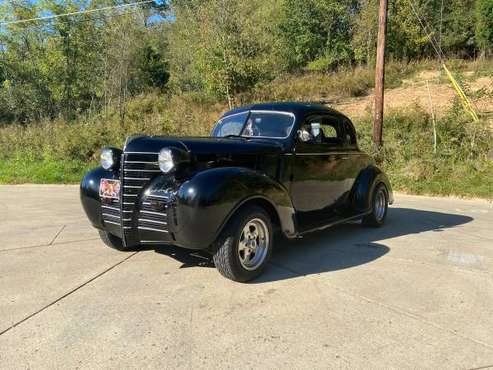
[484, 25]
[71, 65]
[459, 167]
[225, 45]
[61, 152]
[70, 85]
[316, 33]
[225, 49]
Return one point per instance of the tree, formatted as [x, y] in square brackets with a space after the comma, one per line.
[72, 64]
[484, 26]
[316, 33]
[458, 40]
[226, 45]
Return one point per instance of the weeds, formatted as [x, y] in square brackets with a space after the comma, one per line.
[60, 152]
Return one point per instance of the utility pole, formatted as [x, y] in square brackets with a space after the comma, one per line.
[380, 74]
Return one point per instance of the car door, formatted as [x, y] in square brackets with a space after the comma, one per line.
[320, 179]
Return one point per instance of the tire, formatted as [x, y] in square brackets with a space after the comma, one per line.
[379, 207]
[244, 246]
[112, 241]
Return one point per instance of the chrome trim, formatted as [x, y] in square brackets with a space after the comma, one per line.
[153, 213]
[128, 204]
[130, 195]
[146, 203]
[249, 112]
[235, 114]
[152, 242]
[335, 223]
[111, 222]
[113, 208]
[141, 153]
[146, 162]
[137, 178]
[127, 219]
[158, 196]
[125, 211]
[134, 186]
[151, 229]
[153, 221]
[141, 170]
[110, 215]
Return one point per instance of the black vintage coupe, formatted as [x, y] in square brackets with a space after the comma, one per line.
[287, 167]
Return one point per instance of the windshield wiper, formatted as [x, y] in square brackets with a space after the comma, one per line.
[233, 135]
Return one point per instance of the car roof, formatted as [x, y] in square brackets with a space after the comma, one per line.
[298, 109]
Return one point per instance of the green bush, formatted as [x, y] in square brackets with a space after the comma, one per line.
[460, 166]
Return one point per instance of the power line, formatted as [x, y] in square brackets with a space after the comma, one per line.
[466, 103]
[100, 18]
[429, 33]
[75, 13]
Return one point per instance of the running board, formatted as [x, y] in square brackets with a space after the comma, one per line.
[318, 228]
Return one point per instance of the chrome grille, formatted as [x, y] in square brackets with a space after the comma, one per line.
[138, 169]
[110, 210]
[153, 218]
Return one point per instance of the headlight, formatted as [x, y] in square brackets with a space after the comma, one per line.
[165, 160]
[110, 157]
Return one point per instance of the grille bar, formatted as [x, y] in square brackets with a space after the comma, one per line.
[152, 229]
[110, 211]
[140, 221]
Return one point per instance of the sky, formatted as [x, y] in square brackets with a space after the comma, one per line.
[153, 19]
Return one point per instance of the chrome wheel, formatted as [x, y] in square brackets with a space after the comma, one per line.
[253, 244]
[380, 204]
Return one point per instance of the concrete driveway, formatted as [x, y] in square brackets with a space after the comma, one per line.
[417, 293]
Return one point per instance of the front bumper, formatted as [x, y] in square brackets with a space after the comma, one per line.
[144, 214]
[153, 208]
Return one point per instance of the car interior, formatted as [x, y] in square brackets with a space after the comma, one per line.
[322, 130]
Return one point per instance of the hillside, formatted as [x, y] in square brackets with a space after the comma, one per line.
[414, 91]
[55, 151]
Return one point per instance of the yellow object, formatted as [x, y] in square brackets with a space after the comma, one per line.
[466, 103]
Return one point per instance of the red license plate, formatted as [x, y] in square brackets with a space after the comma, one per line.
[109, 188]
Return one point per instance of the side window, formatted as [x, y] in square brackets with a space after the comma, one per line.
[329, 131]
[323, 129]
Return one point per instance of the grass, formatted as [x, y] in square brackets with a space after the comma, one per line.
[462, 164]
[20, 171]
[61, 152]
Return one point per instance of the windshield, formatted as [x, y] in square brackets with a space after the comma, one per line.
[267, 124]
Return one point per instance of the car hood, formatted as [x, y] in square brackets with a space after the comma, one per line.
[204, 145]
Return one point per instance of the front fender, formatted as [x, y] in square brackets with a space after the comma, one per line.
[89, 194]
[364, 185]
[205, 203]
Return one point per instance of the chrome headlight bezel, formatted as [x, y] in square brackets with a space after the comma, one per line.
[166, 160]
[110, 158]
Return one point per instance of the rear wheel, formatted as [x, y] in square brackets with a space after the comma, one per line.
[380, 205]
[244, 246]
[111, 240]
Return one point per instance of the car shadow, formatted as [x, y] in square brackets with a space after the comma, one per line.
[337, 248]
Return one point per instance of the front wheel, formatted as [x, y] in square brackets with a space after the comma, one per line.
[380, 205]
[111, 240]
[244, 246]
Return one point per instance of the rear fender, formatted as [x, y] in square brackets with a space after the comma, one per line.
[363, 188]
